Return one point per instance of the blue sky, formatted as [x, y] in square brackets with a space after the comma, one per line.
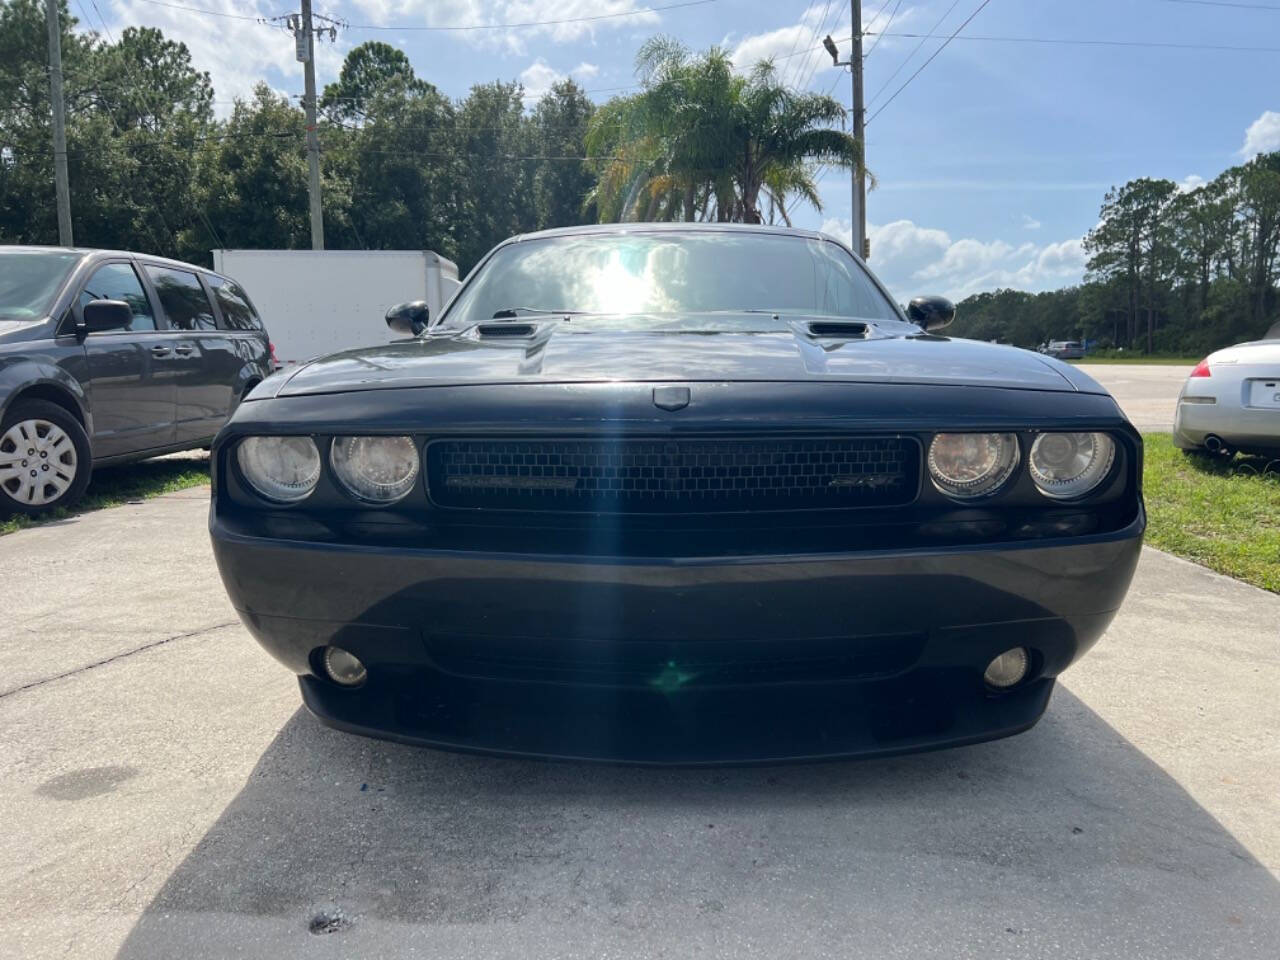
[991, 164]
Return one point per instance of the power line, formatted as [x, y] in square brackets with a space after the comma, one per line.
[1073, 42]
[1224, 3]
[795, 42]
[205, 11]
[875, 43]
[932, 56]
[910, 56]
[533, 23]
[803, 73]
[1063, 41]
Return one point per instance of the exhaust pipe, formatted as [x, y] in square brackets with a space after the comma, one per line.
[1214, 444]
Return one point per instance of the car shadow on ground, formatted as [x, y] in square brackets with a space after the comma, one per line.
[1235, 465]
[1066, 840]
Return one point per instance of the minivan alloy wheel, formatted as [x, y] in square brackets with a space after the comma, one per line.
[38, 462]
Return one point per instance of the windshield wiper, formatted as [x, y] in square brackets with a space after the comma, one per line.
[510, 313]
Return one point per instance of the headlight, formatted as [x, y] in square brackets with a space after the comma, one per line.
[376, 469]
[968, 465]
[284, 469]
[1069, 465]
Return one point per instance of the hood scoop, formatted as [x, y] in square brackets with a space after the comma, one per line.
[505, 330]
[838, 329]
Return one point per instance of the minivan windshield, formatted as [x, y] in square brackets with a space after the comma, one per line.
[30, 280]
[670, 273]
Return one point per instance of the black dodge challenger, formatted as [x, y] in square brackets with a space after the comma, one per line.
[678, 494]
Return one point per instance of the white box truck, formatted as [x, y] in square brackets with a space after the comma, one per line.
[315, 302]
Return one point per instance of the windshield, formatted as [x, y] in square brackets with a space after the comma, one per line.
[671, 273]
[29, 281]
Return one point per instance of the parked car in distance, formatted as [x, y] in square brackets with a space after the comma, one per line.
[1231, 400]
[678, 494]
[1065, 349]
[108, 356]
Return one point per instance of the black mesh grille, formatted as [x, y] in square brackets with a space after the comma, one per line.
[673, 476]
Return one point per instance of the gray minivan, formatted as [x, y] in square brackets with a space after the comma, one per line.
[108, 356]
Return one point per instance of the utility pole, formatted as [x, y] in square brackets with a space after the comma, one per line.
[858, 198]
[304, 33]
[60, 179]
[859, 217]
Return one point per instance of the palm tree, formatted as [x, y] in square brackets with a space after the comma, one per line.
[701, 141]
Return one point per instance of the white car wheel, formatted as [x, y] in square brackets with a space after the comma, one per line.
[38, 462]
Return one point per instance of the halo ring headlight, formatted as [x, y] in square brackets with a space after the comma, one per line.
[281, 469]
[375, 469]
[1067, 466]
[971, 465]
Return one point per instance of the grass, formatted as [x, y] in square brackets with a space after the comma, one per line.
[1222, 513]
[1141, 358]
[112, 486]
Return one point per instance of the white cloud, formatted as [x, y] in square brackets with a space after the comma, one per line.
[539, 77]
[784, 46]
[797, 49]
[1029, 222]
[1263, 135]
[456, 13]
[1192, 181]
[911, 260]
[237, 53]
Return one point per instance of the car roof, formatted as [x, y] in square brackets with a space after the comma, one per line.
[97, 253]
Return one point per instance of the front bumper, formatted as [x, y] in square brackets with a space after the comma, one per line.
[724, 660]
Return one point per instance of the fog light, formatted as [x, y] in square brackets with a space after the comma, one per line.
[344, 668]
[1008, 669]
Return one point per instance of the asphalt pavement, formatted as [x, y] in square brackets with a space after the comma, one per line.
[1146, 392]
[164, 795]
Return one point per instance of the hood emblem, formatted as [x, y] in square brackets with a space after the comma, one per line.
[671, 398]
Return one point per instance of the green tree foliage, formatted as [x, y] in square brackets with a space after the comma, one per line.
[136, 113]
[702, 142]
[153, 169]
[250, 190]
[1169, 272]
[370, 71]
[563, 180]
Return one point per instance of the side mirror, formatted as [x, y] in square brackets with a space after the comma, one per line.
[408, 318]
[931, 313]
[99, 315]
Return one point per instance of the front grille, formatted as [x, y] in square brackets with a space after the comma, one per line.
[624, 475]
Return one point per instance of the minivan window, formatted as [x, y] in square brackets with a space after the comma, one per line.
[237, 311]
[30, 281]
[183, 299]
[117, 281]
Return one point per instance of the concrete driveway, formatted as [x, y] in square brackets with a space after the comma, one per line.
[1146, 392]
[164, 796]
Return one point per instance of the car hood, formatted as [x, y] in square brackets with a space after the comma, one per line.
[19, 331]
[558, 352]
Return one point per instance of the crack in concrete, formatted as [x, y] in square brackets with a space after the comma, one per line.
[119, 656]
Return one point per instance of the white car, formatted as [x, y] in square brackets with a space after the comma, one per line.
[1231, 400]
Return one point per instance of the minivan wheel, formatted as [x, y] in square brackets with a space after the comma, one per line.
[45, 459]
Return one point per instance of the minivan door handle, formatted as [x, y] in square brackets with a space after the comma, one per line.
[160, 350]
[183, 349]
